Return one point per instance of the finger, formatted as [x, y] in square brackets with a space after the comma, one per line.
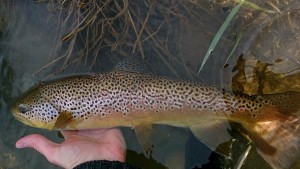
[39, 143]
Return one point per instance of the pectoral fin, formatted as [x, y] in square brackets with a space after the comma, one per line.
[212, 133]
[144, 134]
[62, 120]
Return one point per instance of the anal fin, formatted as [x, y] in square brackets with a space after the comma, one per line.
[212, 133]
[144, 134]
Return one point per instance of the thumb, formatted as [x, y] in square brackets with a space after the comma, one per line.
[67, 133]
[39, 143]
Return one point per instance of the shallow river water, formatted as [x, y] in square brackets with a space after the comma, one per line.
[266, 60]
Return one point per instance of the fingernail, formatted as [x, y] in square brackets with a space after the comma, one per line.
[21, 145]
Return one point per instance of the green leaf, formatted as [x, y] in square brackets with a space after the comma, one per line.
[239, 37]
[220, 33]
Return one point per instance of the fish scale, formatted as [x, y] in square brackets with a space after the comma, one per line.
[147, 92]
[130, 99]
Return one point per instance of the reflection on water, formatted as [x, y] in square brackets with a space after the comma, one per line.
[266, 61]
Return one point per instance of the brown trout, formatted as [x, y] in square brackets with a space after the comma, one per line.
[136, 100]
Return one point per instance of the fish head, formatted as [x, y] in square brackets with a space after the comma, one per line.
[35, 109]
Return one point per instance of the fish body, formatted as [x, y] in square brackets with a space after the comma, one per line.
[129, 99]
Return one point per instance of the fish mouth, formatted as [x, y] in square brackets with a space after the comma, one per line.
[36, 124]
[23, 119]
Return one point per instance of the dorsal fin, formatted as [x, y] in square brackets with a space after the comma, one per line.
[135, 64]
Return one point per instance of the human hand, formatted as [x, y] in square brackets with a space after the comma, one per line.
[79, 146]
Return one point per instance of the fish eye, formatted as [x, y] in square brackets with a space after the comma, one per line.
[23, 108]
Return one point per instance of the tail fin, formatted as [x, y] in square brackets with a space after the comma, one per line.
[277, 134]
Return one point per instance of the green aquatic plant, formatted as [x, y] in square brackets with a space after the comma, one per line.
[225, 25]
[256, 7]
[220, 33]
[237, 41]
